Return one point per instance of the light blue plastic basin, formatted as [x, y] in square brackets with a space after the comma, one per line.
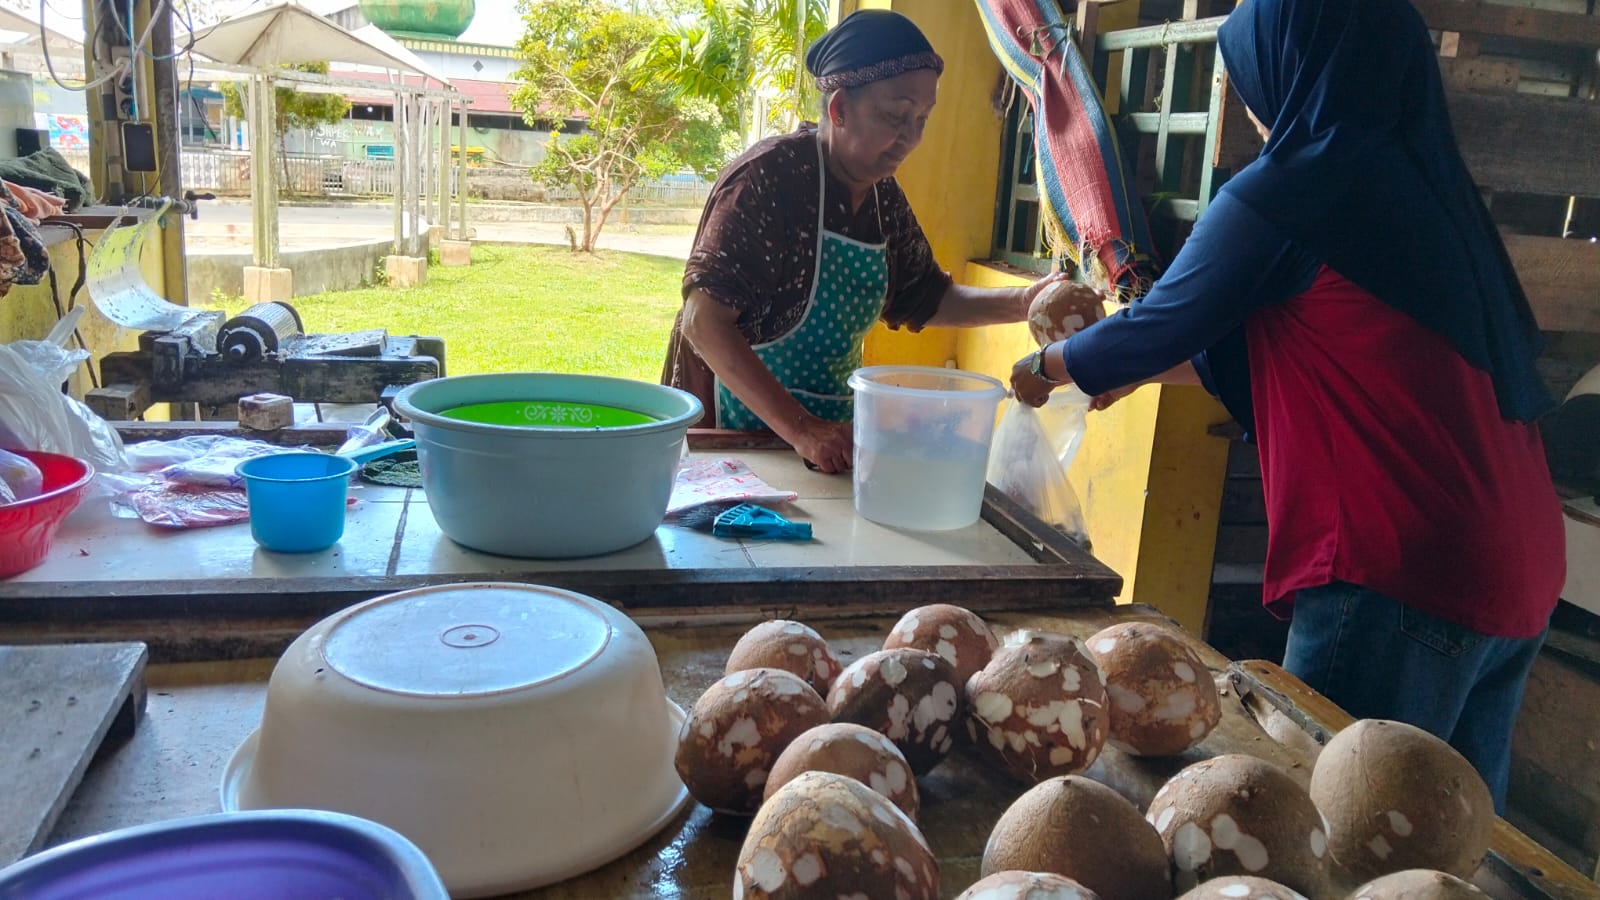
[547, 492]
[297, 500]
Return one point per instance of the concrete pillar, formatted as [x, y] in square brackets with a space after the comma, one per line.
[406, 271]
[264, 284]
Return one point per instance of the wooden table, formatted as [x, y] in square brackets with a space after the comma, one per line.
[198, 713]
[216, 637]
[210, 594]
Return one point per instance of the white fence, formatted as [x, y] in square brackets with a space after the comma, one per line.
[228, 172]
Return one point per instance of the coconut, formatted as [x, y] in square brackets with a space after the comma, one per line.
[1037, 710]
[1062, 310]
[845, 748]
[828, 835]
[1396, 798]
[1162, 698]
[1079, 828]
[1242, 887]
[735, 732]
[956, 634]
[1027, 886]
[791, 646]
[909, 696]
[1239, 815]
[1417, 884]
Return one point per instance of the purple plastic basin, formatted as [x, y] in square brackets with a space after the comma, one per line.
[265, 855]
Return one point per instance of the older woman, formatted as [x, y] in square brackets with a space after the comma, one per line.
[1349, 299]
[807, 241]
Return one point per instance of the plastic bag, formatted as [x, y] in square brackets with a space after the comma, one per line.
[36, 415]
[1025, 465]
[1064, 417]
[20, 479]
[202, 460]
[188, 482]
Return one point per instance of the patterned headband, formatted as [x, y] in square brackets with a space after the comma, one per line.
[879, 71]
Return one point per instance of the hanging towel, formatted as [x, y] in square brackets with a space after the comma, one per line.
[1083, 184]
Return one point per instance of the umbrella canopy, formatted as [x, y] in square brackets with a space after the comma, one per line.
[15, 20]
[285, 33]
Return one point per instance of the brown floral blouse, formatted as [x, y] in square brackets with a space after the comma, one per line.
[756, 250]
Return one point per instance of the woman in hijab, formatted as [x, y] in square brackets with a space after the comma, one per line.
[1349, 299]
[807, 241]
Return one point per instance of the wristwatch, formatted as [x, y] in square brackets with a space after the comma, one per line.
[1036, 368]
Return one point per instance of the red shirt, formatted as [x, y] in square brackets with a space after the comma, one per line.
[1385, 463]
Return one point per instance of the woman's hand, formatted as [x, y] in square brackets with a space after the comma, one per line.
[1030, 388]
[1032, 291]
[827, 445]
[1105, 400]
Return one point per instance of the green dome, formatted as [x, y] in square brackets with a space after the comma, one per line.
[425, 19]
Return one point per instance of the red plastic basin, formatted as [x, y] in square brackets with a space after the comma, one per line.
[28, 527]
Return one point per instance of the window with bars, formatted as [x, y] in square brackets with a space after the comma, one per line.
[1018, 225]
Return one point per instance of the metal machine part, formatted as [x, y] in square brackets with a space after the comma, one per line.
[263, 329]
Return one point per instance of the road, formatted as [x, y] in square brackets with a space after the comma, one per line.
[229, 220]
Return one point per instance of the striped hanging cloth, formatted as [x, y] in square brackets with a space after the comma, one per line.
[1084, 187]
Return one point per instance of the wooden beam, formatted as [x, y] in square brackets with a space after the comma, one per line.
[1238, 144]
[1478, 17]
[1562, 280]
[1479, 74]
[1528, 144]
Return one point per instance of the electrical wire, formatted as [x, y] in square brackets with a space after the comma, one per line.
[44, 44]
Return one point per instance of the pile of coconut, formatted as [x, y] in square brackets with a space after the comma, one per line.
[826, 759]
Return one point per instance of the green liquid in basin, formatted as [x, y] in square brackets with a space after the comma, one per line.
[548, 414]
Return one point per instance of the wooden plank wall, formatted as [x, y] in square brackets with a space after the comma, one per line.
[1521, 83]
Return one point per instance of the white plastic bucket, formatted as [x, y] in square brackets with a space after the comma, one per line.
[922, 439]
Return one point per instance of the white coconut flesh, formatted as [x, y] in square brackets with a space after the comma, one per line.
[1037, 710]
[845, 748]
[735, 732]
[1015, 885]
[1162, 697]
[828, 835]
[957, 635]
[1239, 815]
[910, 696]
[1062, 310]
[788, 645]
[1242, 887]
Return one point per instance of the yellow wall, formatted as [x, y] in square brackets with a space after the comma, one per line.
[950, 178]
[27, 312]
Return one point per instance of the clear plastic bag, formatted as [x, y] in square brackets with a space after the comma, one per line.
[36, 415]
[1026, 464]
[199, 460]
[1064, 417]
[20, 479]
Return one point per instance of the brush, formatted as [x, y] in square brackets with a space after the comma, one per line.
[737, 519]
[704, 516]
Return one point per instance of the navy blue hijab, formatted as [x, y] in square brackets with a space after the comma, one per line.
[1362, 171]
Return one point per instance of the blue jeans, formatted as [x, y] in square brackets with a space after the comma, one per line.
[1380, 659]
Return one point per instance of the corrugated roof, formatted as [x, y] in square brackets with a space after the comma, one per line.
[491, 97]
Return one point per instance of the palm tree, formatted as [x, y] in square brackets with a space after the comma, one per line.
[733, 50]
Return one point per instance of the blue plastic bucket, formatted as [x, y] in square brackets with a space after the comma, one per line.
[297, 499]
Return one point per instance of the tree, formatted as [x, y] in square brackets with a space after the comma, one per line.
[733, 51]
[581, 59]
[295, 109]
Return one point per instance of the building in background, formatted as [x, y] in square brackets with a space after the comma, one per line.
[434, 31]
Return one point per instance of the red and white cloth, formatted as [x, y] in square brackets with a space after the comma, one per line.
[702, 481]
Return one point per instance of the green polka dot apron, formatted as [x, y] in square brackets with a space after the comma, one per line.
[815, 359]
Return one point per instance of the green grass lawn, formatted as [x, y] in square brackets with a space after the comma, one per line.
[522, 309]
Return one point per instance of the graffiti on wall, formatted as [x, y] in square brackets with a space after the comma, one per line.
[67, 131]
